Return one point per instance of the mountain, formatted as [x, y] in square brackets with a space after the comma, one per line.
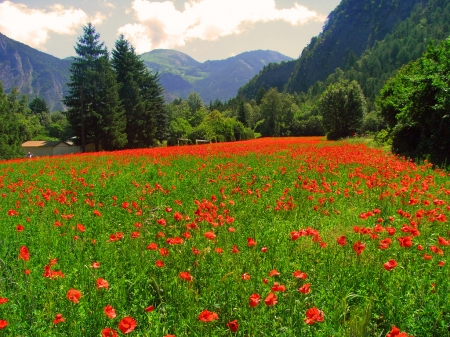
[368, 40]
[34, 73]
[180, 74]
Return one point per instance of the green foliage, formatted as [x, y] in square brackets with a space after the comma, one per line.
[141, 96]
[416, 107]
[342, 106]
[10, 137]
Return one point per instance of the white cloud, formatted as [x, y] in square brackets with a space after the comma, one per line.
[161, 25]
[32, 26]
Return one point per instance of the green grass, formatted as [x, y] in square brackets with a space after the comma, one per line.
[267, 190]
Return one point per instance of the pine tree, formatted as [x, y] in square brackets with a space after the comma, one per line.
[92, 100]
[141, 96]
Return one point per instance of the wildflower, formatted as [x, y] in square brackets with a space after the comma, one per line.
[251, 242]
[95, 265]
[108, 332]
[313, 315]
[102, 283]
[342, 241]
[185, 275]
[3, 324]
[299, 274]
[235, 250]
[209, 235]
[150, 308]
[278, 287]
[233, 325]
[274, 272]
[109, 311]
[159, 263]
[254, 300]
[58, 319]
[271, 299]
[207, 316]
[73, 295]
[245, 276]
[391, 264]
[3, 300]
[305, 289]
[24, 254]
[127, 324]
[359, 247]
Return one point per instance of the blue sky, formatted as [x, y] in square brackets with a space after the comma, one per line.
[203, 29]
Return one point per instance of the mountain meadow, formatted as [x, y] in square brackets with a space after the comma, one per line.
[317, 204]
[267, 237]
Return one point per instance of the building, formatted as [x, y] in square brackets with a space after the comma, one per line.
[40, 148]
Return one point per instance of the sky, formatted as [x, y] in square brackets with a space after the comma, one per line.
[203, 29]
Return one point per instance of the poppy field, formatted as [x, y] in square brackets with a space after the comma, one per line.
[269, 237]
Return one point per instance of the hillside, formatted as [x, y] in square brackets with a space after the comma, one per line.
[35, 73]
[351, 29]
[180, 74]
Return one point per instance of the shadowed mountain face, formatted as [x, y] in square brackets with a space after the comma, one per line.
[35, 73]
[180, 74]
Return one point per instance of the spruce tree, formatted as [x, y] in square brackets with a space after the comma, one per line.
[92, 100]
[141, 96]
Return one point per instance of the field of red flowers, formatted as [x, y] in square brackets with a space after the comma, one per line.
[270, 237]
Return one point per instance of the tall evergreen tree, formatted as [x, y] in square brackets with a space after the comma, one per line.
[141, 96]
[92, 95]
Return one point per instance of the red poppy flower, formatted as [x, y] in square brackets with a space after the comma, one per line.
[150, 308]
[3, 324]
[245, 276]
[161, 222]
[159, 263]
[209, 235]
[95, 265]
[73, 295]
[278, 287]
[177, 216]
[299, 274]
[274, 272]
[305, 289]
[185, 275]
[135, 235]
[102, 283]
[3, 300]
[235, 250]
[271, 299]
[391, 264]
[231, 229]
[254, 300]
[264, 249]
[164, 252]
[342, 241]
[359, 247]
[218, 250]
[109, 311]
[251, 242]
[24, 254]
[58, 319]
[233, 325]
[20, 228]
[97, 213]
[127, 324]
[152, 246]
[81, 228]
[395, 332]
[313, 315]
[108, 332]
[207, 316]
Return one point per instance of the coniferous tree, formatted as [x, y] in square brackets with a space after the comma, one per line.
[92, 98]
[141, 96]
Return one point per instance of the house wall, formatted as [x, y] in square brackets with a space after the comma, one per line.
[63, 148]
[38, 151]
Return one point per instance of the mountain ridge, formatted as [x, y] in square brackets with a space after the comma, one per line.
[36, 73]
